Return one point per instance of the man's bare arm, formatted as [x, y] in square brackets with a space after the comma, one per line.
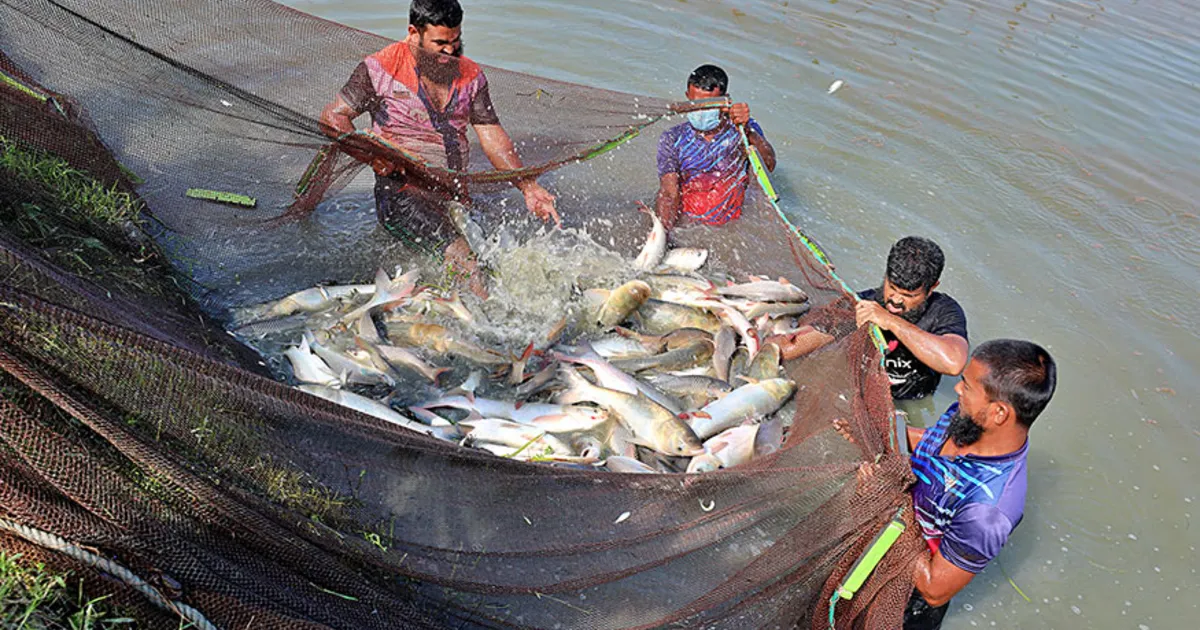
[338, 118]
[669, 202]
[765, 150]
[937, 580]
[945, 354]
[498, 147]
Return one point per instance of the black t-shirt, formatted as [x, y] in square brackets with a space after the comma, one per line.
[909, 377]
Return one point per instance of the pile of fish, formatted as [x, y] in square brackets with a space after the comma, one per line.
[664, 373]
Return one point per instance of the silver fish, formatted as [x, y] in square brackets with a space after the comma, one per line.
[650, 422]
[734, 318]
[769, 437]
[355, 370]
[662, 283]
[746, 402]
[396, 355]
[537, 382]
[619, 346]
[693, 392]
[460, 217]
[468, 387]
[677, 359]
[571, 422]
[314, 300]
[265, 327]
[776, 309]
[766, 291]
[656, 244]
[765, 365]
[376, 409]
[611, 377]
[308, 367]
[733, 446]
[525, 414]
[705, 462]
[621, 464]
[724, 345]
[659, 318]
[685, 259]
[515, 434]
[387, 293]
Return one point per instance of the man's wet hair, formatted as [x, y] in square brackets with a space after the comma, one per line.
[915, 264]
[1020, 373]
[709, 77]
[447, 13]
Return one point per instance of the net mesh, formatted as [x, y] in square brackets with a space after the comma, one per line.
[136, 429]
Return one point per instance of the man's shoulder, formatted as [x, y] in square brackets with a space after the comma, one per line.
[470, 71]
[396, 62]
[943, 300]
[944, 316]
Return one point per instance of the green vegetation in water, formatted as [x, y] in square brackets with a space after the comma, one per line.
[34, 597]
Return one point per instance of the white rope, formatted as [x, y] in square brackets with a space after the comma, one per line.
[55, 543]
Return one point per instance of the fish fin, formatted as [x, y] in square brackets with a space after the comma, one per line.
[633, 439]
[367, 330]
[304, 347]
[701, 414]
[382, 282]
[750, 380]
[557, 331]
[588, 352]
[625, 332]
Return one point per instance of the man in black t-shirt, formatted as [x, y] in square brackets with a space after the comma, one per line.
[925, 331]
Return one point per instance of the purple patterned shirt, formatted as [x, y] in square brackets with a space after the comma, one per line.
[713, 172]
[968, 505]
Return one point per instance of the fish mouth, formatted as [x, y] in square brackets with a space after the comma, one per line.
[693, 452]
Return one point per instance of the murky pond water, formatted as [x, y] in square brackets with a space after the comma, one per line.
[1050, 147]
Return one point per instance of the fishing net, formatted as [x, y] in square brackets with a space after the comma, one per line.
[161, 461]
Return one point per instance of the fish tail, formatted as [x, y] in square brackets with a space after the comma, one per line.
[578, 388]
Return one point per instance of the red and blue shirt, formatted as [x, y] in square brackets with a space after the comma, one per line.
[713, 172]
[387, 84]
[968, 505]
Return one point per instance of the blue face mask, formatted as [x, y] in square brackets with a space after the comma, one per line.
[705, 119]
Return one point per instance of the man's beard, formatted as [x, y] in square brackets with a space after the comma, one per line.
[963, 429]
[438, 67]
[910, 316]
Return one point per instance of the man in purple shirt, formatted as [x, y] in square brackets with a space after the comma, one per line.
[970, 468]
[703, 169]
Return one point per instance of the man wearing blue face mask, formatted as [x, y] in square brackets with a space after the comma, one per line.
[703, 169]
